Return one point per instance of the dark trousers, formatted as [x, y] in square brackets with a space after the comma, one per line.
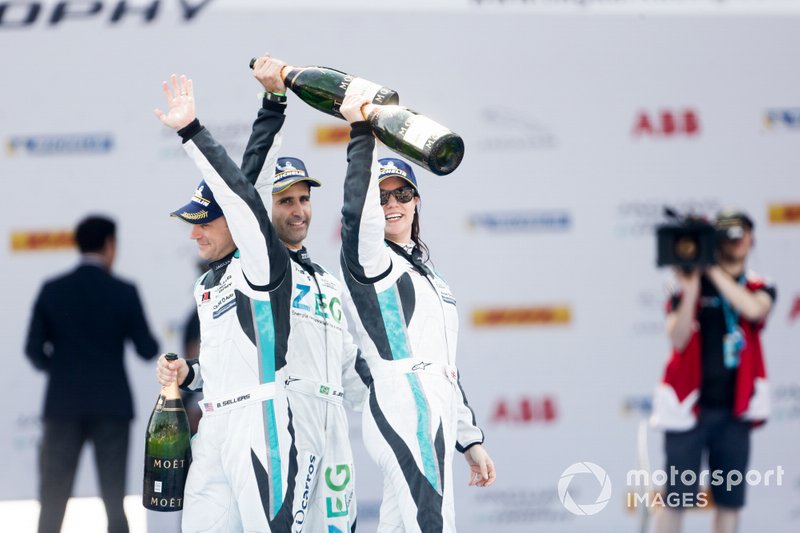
[60, 450]
[726, 440]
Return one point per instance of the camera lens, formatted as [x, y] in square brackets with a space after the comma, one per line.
[686, 248]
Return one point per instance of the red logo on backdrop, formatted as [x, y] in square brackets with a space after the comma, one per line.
[525, 410]
[795, 312]
[667, 123]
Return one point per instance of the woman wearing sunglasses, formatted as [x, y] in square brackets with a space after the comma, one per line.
[406, 320]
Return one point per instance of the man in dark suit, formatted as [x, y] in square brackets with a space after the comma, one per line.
[77, 335]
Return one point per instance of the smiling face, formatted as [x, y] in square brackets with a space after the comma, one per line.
[214, 240]
[399, 216]
[291, 214]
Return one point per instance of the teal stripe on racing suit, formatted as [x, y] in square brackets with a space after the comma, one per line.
[402, 309]
[278, 310]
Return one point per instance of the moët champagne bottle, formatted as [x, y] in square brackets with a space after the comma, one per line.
[324, 88]
[416, 137]
[168, 453]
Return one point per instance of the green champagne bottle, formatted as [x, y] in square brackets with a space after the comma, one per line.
[416, 137]
[167, 451]
[324, 88]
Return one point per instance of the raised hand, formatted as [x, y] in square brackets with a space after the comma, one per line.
[689, 281]
[179, 93]
[267, 70]
[352, 108]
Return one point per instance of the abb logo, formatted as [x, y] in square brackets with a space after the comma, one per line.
[795, 312]
[667, 123]
[525, 410]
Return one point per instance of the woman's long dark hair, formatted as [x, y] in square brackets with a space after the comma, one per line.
[426, 254]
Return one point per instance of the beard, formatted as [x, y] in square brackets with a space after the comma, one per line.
[292, 235]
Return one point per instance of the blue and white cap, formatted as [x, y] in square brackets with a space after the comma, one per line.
[391, 167]
[290, 170]
[202, 208]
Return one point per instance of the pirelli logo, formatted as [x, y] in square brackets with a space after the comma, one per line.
[32, 241]
[333, 134]
[784, 213]
[522, 316]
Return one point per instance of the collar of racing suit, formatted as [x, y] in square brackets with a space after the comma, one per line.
[301, 258]
[415, 257]
[222, 263]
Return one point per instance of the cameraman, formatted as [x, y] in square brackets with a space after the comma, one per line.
[713, 390]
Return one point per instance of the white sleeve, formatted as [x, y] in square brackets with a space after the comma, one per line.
[363, 248]
[255, 237]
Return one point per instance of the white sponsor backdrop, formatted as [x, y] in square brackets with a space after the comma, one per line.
[553, 205]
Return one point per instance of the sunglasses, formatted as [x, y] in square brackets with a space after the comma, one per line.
[402, 195]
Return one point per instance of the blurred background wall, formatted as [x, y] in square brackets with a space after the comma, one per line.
[581, 119]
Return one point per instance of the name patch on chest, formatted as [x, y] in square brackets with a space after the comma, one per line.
[444, 291]
[224, 304]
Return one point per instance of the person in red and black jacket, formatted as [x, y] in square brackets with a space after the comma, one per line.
[714, 387]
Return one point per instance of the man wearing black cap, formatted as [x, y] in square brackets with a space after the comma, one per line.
[714, 387]
[274, 344]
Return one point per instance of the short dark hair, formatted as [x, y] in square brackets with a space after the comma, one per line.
[93, 232]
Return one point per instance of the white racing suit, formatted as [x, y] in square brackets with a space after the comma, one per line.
[406, 324]
[272, 450]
